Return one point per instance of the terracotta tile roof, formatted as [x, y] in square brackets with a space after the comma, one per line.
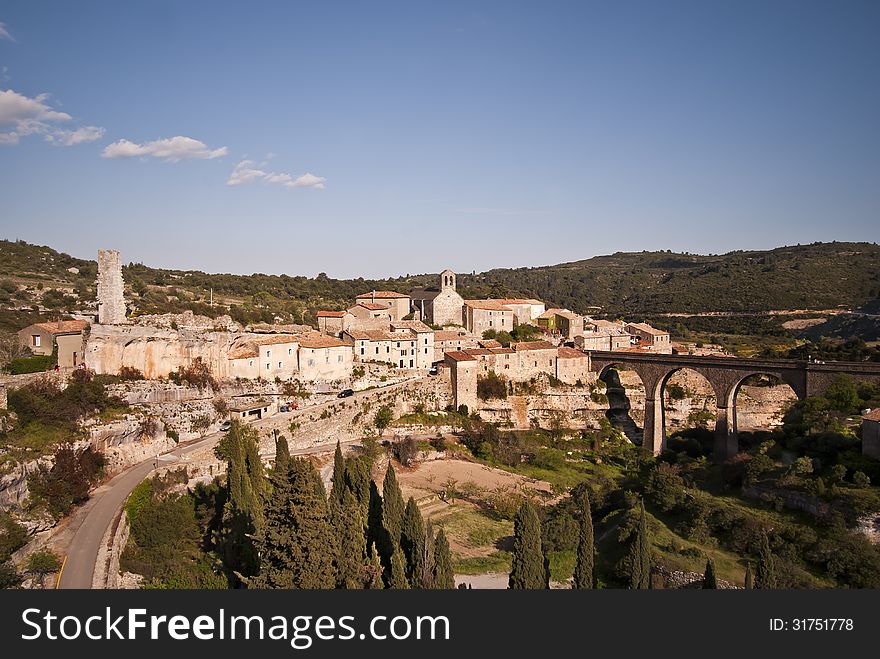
[873, 415]
[321, 341]
[331, 314]
[63, 326]
[565, 313]
[502, 351]
[644, 327]
[276, 339]
[380, 294]
[458, 356]
[570, 353]
[452, 335]
[516, 300]
[372, 306]
[532, 345]
[414, 325]
[247, 351]
[486, 305]
[477, 351]
[489, 343]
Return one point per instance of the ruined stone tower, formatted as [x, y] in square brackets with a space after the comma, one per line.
[111, 304]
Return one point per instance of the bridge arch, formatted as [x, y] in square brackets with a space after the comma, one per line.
[620, 407]
[674, 386]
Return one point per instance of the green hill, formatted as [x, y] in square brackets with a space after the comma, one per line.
[817, 276]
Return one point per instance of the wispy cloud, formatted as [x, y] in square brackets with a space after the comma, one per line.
[247, 171]
[4, 32]
[21, 116]
[172, 149]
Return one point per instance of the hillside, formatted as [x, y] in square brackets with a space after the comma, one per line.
[817, 276]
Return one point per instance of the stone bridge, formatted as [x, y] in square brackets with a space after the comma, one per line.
[725, 375]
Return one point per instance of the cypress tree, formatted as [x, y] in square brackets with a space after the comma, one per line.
[428, 569]
[443, 575]
[583, 569]
[765, 573]
[282, 457]
[375, 531]
[392, 512]
[709, 579]
[527, 569]
[640, 554]
[338, 489]
[357, 479]
[373, 571]
[747, 582]
[412, 542]
[397, 573]
[243, 510]
[352, 556]
[297, 546]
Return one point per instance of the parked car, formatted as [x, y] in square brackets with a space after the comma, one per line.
[432, 370]
[225, 426]
[345, 393]
[289, 407]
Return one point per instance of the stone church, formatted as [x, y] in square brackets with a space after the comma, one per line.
[440, 305]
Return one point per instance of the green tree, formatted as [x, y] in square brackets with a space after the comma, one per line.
[41, 563]
[747, 581]
[384, 417]
[297, 545]
[640, 554]
[765, 573]
[443, 575]
[412, 542]
[710, 581]
[282, 456]
[338, 489]
[583, 569]
[352, 554]
[527, 569]
[397, 573]
[428, 567]
[392, 514]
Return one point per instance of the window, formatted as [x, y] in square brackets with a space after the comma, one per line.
[290, 351]
[37, 340]
[339, 359]
[268, 366]
[362, 350]
[251, 363]
[410, 363]
[377, 350]
[268, 354]
[280, 364]
[311, 362]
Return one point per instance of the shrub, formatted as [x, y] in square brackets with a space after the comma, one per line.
[406, 450]
[491, 386]
[129, 373]
[384, 417]
[36, 364]
[439, 443]
[197, 375]
[13, 536]
[68, 481]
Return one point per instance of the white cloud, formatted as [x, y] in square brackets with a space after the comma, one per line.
[74, 137]
[4, 33]
[172, 149]
[246, 171]
[21, 116]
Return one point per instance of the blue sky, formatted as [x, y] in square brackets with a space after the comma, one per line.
[370, 139]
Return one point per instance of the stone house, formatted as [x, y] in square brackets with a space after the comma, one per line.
[244, 361]
[334, 322]
[369, 311]
[449, 340]
[324, 358]
[871, 434]
[67, 335]
[463, 373]
[561, 322]
[657, 340]
[398, 304]
[603, 335]
[252, 411]
[525, 310]
[404, 344]
[572, 365]
[441, 305]
[482, 315]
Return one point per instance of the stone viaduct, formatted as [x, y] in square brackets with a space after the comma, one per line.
[725, 375]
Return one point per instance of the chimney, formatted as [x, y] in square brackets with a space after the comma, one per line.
[373, 298]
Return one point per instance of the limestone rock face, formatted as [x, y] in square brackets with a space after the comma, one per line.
[154, 351]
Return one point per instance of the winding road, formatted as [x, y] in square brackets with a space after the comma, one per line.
[107, 500]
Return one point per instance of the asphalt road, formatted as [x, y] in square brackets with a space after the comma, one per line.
[82, 555]
[106, 502]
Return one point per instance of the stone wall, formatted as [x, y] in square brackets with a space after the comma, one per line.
[111, 304]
